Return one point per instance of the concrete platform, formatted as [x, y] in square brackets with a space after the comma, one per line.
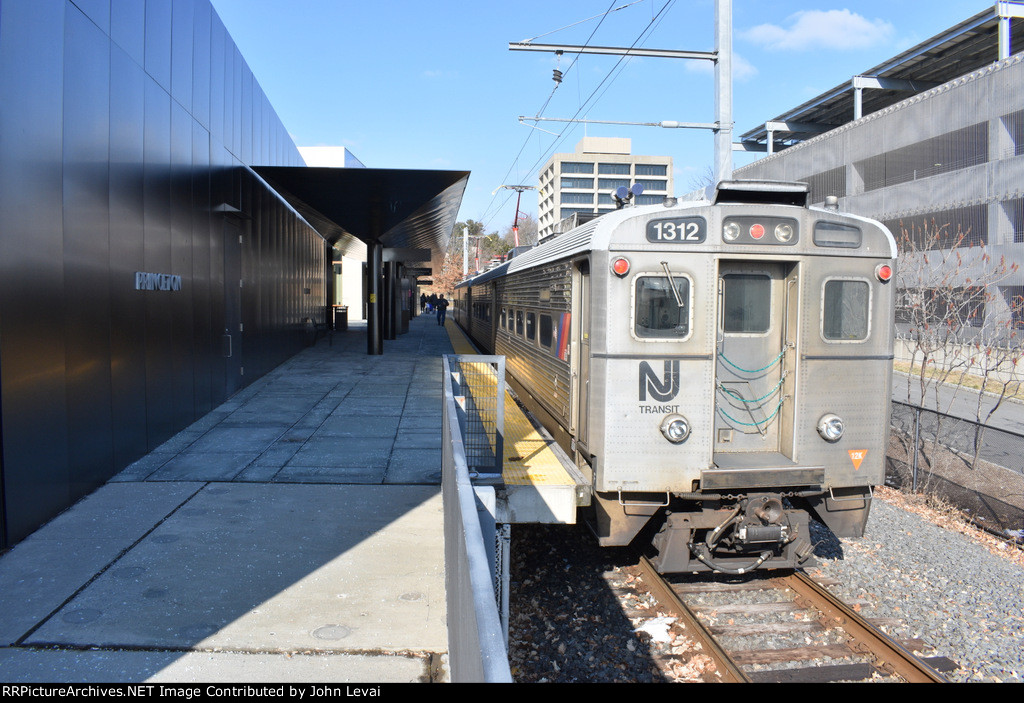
[293, 534]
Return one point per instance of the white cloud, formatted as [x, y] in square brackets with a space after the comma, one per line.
[821, 29]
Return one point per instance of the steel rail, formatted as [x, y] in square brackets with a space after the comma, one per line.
[890, 656]
[662, 590]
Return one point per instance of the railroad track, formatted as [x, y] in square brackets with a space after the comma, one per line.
[812, 635]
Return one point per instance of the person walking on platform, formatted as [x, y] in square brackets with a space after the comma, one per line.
[442, 306]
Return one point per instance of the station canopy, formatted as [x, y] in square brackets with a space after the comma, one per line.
[352, 207]
[966, 47]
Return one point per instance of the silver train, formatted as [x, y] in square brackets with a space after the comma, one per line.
[718, 369]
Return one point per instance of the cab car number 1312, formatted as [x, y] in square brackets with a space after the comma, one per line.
[679, 230]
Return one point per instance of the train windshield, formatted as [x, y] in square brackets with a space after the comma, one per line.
[658, 310]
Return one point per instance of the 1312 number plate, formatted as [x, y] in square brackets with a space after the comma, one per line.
[677, 230]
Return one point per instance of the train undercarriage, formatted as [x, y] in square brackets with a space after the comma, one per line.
[727, 533]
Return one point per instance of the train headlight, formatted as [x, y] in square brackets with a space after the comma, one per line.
[675, 428]
[783, 232]
[830, 427]
[730, 232]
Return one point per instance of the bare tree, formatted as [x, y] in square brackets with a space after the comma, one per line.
[703, 179]
[959, 329]
[527, 231]
[447, 268]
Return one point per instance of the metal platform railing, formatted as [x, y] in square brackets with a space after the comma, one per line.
[478, 386]
[477, 594]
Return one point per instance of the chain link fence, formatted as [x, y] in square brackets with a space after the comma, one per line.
[978, 469]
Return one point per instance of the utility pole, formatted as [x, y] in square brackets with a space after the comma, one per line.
[515, 221]
[465, 250]
[723, 90]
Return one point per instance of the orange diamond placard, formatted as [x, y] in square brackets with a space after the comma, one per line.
[857, 456]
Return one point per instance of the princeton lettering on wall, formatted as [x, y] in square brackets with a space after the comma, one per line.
[156, 281]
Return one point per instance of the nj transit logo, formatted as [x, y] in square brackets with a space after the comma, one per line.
[661, 389]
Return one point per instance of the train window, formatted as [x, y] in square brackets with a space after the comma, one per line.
[658, 313]
[531, 326]
[502, 318]
[519, 322]
[845, 308]
[545, 331]
[746, 303]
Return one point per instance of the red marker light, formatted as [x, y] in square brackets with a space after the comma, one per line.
[884, 272]
[620, 267]
[756, 231]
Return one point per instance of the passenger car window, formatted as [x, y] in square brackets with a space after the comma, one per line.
[746, 303]
[545, 331]
[845, 310]
[657, 312]
[519, 321]
[531, 326]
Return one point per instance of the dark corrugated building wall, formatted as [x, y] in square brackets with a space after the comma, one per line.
[146, 273]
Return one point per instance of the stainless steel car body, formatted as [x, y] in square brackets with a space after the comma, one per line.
[748, 344]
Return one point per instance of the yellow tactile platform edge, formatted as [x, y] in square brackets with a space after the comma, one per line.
[528, 458]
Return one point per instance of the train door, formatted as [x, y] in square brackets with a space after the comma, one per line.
[750, 366]
[580, 355]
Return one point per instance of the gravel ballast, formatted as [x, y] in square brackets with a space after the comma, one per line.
[946, 588]
[941, 586]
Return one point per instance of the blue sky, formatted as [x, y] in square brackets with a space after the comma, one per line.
[433, 85]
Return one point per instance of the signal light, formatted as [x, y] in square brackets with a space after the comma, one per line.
[620, 267]
[884, 272]
[756, 231]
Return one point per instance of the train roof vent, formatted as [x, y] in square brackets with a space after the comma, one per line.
[760, 192]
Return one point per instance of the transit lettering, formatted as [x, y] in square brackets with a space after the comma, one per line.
[658, 409]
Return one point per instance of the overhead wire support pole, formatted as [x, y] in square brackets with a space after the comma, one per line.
[723, 90]
[466, 236]
[721, 57]
[515, 221]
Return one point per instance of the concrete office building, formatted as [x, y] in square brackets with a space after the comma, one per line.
[932, 137]
[147, 268]
[582, 182]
